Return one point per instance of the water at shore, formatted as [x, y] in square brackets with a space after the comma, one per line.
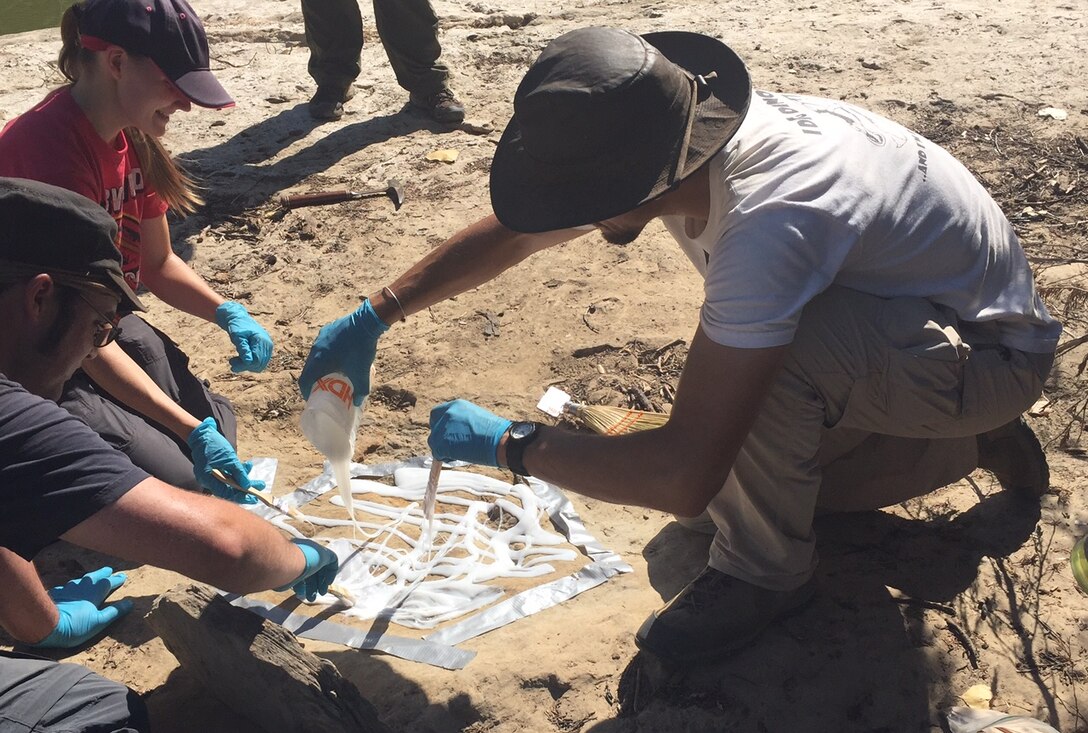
[17, 16]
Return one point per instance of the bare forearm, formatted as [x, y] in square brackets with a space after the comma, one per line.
[26, 610]
[469, 258]
[652, 469]
[203, 538]
[175, 283]
[681, 466]
[115, 371]
[169, 278]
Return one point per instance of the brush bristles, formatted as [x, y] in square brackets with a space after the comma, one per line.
[608, 420]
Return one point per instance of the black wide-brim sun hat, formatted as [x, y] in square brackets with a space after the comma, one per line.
[602, 120]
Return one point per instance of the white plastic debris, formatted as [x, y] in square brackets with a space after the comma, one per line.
[553, 402]
[1054, 113]
[973, 720]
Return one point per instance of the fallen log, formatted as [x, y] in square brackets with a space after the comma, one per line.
[257, 668]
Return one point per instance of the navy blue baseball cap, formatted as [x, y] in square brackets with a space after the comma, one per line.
[166, 31]
[47, 229]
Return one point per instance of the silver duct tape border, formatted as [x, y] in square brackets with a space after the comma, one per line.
[527, 603]
[264, 469]
[604, 565]
[414, 650]
[437, 649]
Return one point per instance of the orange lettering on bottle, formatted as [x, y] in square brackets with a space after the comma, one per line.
[339, 388]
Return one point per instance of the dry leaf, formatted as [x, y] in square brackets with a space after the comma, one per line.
[978, 696]
[444, 155]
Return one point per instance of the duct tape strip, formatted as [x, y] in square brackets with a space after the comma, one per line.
[605, 564]
[415, 650]
[570, 524]
[264, 469]
[526, 603]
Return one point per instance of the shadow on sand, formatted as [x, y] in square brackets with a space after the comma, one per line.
[240, 164]
[874, 641]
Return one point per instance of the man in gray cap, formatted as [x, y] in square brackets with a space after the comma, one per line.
[870, 329]
[60, 287]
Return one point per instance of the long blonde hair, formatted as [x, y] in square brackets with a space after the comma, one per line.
[173, 184]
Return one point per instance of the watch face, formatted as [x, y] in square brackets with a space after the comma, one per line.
[522, 430]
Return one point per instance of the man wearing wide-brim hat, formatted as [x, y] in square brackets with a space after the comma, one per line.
[870, 330]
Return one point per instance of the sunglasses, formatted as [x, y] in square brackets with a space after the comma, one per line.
[106, 330]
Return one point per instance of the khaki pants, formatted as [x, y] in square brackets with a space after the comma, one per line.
[880, 400]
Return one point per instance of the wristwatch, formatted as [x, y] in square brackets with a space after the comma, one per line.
[518, 437]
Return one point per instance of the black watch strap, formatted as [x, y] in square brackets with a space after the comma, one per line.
[518, 437]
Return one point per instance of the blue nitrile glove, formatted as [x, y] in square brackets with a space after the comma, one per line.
[78, 602]
[252, 341]
[321, 567]
[347, 345]
[462, 431]
[211, 450]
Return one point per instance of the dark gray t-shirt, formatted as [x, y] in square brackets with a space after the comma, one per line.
[54, 471]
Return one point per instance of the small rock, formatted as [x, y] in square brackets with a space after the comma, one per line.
[473, 128]
[513, 22]
[870, 64]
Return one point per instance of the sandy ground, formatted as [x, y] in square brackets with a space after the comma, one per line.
[917, 603]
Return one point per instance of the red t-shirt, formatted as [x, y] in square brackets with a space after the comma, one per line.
[55, 143]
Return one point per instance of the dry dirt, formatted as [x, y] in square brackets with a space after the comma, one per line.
[918, 602]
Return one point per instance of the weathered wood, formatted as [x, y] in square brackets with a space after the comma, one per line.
[257, 668]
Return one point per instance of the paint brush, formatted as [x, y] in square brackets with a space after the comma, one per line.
[288, 511]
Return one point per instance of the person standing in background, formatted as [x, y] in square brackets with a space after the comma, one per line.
[408, 30]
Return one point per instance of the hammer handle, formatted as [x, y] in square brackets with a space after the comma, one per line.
[298, 200]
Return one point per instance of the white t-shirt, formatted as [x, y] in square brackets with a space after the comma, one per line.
[812, 192]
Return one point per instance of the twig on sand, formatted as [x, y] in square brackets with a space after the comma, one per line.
[968, 647]
[931, 605]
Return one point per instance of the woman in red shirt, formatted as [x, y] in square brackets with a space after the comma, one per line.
[131, 64]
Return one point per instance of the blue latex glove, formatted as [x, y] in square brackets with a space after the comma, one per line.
[211, 450]
[462, 431]
[82, 615]
[321, 567]
[347, 345]
[252, 341]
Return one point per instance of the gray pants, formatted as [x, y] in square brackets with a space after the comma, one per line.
[43, 696]
[879, 401]
[408, 30]
[151, 446]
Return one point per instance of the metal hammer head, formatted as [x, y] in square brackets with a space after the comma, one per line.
[395, 193]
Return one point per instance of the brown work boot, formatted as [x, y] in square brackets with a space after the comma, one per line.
[1013, 455]
[328, 103]
[716, 615]
[442, 106]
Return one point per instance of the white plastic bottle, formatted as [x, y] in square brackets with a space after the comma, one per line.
[329, 422]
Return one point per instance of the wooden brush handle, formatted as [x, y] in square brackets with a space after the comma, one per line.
[251, 492]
